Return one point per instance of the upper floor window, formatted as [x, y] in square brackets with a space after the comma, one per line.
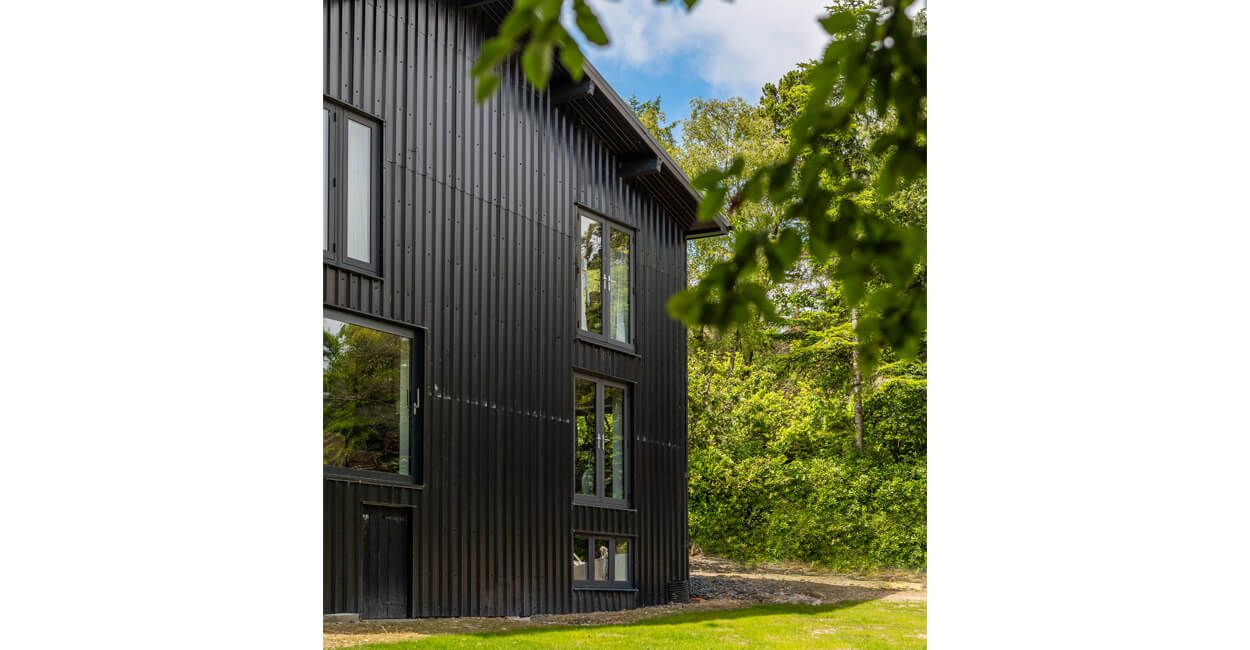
[605, 278]
[601, 422]
[369, 413]
[351, 202]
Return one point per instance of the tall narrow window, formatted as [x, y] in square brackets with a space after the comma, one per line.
[326, 178]
[367, 401]
[619, 287]
[352, 185]
[359, 190]
[601, 447]
[605, 279]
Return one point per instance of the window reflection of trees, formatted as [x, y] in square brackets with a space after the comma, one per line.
[585, 419]
[600, 450]
[365, 402]
[591, 276]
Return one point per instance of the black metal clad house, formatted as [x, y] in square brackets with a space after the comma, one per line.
[504, 394]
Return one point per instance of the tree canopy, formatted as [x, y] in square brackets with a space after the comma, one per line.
[866, 93]
[797, 450]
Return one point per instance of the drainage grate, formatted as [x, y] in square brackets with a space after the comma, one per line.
[679, 591]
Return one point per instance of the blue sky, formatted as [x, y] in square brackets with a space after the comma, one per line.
[719, 50]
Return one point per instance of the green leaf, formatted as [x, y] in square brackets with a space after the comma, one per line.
[911, 162]
[549, 10]
[493, 52]
[820, 248]
[573, 59]
[710, 206]
[745, 244]
[789, 245]
[486, 85]
[536, 61]
[884, 142]
[754, 294]
[753, 189]
[684, 306]
[780, 177]
[588, 22]
[888, 174]
[842, 21]
[518, 22]
[708, 179]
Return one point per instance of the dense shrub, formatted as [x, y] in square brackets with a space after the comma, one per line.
[895, 419]
[844, 513]
[773, 474]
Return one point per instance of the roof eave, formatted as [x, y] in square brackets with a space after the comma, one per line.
[634, 141]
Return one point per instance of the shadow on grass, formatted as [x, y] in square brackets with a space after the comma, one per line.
[684, 618]
[746, 612]
[810, 586]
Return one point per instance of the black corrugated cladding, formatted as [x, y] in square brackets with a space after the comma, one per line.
[479, 221]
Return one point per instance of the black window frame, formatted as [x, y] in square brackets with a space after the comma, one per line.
[627, 445]
[416, 427]
[607, 225]
[609, 584]
[335, 252]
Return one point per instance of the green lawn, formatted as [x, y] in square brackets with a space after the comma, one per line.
[864, 625]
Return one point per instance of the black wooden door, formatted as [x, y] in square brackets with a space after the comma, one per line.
[387, 571]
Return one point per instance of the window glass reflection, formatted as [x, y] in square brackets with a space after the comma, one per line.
[365, 397]
[584, 419]
[359, 190]
[601, 560]
[614, 442]
[590, 261]
[620, 288]
[581, 558]
[621, 561]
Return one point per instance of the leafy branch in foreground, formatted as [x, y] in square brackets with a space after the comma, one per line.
[875, 64]
[536, 23]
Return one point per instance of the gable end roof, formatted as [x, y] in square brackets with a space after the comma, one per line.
[598, 107]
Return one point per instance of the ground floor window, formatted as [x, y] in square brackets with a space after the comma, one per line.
[601, 561]
[601, 449]
[367, 400]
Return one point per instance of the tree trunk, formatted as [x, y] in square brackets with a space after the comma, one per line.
[856, 383]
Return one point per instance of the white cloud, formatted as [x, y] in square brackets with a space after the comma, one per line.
[736, 47]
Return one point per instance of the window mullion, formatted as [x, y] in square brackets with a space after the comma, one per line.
[611, 560]
[605, 307]
[377, 232]
[633, 286]
[340, 133]
[599, 439]
[332, 165]
[590, 558]
[627, 422]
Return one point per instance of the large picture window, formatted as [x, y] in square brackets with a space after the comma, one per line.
[605, 279]
[351, 211]
[368, 410]
[601, 462]
[602, 562]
